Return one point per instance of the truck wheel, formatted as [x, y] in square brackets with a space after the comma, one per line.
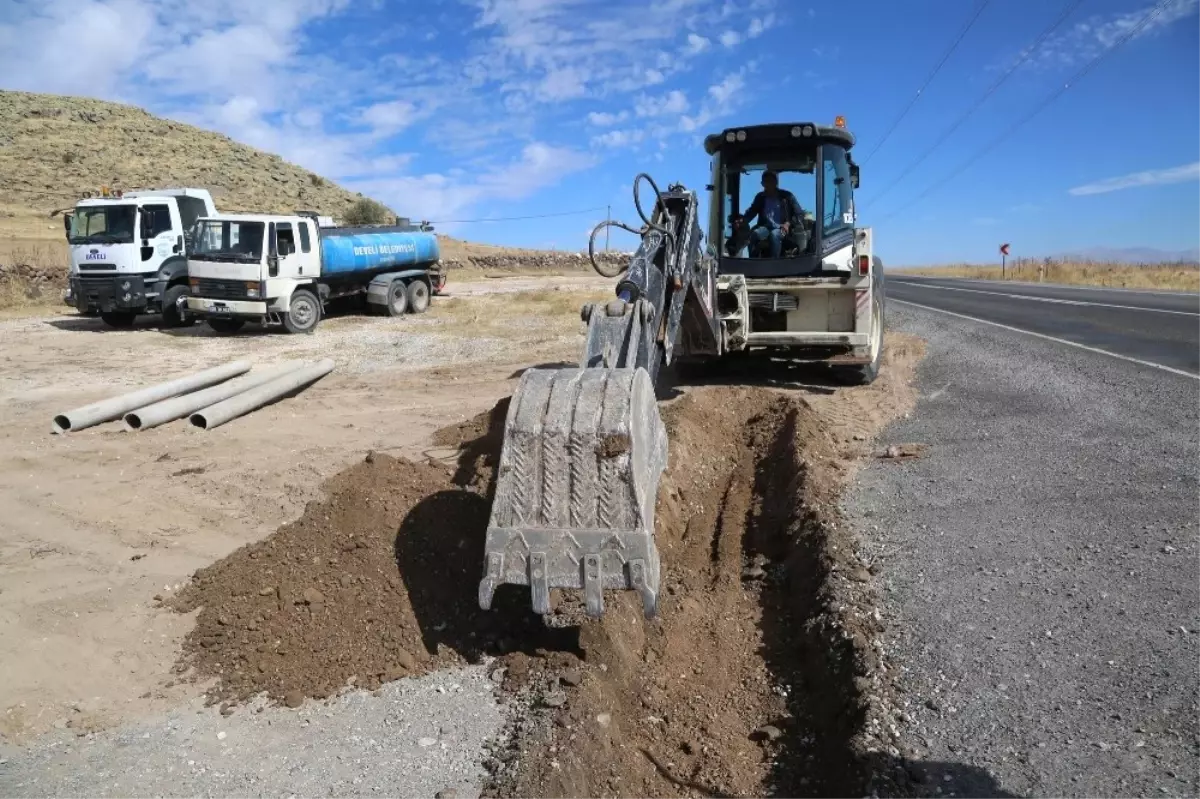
[866, 374]
[397, 301]
[118, 318]
[174, 307]
[304, 312]
[418, 296]
[226, 326]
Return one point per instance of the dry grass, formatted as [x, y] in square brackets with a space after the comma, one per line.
[1167, 277]
[548, 313]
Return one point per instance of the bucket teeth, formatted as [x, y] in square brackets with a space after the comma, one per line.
[580, 463]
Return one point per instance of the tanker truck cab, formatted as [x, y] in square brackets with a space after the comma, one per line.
[128, 253]
[283, 270]
[795, 272]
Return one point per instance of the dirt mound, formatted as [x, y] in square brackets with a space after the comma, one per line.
[373, 583]
[760, 675]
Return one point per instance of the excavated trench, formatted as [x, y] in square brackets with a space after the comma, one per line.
[755, 680]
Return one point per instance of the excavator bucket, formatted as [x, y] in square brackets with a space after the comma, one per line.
[584, 449]
[582, 455]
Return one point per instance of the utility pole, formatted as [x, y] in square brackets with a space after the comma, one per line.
[607, 227]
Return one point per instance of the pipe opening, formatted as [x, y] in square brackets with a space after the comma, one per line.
[198, 420]
[133, 420]
[62, 423]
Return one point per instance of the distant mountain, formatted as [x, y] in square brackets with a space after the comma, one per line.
[1143, 255]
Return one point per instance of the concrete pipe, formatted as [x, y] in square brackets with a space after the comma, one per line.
[177, 407]
[238, 404]
[109, 409]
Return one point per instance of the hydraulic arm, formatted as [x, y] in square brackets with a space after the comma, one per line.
[584, 448]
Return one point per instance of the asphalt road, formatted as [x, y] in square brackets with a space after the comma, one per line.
[1040, 558]
[1159, 327]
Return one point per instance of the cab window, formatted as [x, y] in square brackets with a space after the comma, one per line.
[839, 203]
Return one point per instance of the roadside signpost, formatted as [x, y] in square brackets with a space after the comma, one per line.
[1003, 258]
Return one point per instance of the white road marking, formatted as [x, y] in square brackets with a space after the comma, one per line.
[1138, 361]
[1079, 286]
[1061, 301]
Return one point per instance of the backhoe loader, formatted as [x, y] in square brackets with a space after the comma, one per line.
[584, 447]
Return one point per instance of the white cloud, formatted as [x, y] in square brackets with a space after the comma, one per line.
[604, 119]
[441, 196]
[619, 138]
[725, 90]
[760, 25]
[1087, 39]
[731, 38]
[696, 44]
[390, 117]
[1149, 177]
[673, 102]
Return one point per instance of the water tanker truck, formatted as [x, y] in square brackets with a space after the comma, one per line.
[283, 270]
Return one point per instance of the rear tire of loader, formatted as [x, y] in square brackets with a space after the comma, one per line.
[865, 375]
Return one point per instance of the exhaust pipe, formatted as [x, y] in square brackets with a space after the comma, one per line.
[238, 404]
[106, 410]
[176, 407]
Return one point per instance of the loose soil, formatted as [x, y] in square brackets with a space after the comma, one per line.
[759, 677]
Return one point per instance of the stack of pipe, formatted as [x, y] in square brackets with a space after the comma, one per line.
[208, 398]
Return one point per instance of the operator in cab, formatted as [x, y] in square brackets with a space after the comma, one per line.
[779, 215]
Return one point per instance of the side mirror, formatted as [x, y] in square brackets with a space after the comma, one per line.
[144, 225]
[854, 175]
[67, 224]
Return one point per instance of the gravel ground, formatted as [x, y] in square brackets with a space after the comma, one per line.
[1040, 567]
[414, 737]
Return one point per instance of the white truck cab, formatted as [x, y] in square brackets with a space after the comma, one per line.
[128, 253]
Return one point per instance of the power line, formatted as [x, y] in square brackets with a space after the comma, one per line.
[515, 218]
[1029, 51]
[950, 51]
[1162, 6]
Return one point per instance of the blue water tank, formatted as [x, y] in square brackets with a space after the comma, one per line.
[348, 251]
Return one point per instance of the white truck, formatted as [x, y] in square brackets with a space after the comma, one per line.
[129, 253]
[277, 269]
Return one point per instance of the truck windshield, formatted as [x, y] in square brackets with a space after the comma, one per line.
[777, 202]
[227, 240]
[103, 224]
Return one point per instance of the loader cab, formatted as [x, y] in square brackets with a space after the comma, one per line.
[814, 172]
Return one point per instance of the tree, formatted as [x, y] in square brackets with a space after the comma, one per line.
[366, 211]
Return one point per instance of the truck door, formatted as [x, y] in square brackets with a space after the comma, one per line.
[159, 229]
[291, 264]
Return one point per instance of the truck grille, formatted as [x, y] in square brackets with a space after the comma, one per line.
[215, 289]
[773, 301]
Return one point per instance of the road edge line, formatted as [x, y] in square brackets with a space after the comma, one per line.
[1138, 361]
[1060, 300]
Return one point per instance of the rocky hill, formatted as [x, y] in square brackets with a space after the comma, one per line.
[53, 148]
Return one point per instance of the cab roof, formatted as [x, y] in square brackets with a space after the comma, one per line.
[778, 134]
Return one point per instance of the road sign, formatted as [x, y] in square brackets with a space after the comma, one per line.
[1004, 249]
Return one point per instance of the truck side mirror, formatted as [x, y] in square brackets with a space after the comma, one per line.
[144, 225]
[854, 175]
[67, 224]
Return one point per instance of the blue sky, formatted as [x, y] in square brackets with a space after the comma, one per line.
[468, 109]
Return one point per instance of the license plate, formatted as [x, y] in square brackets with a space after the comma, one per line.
[218, 308]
